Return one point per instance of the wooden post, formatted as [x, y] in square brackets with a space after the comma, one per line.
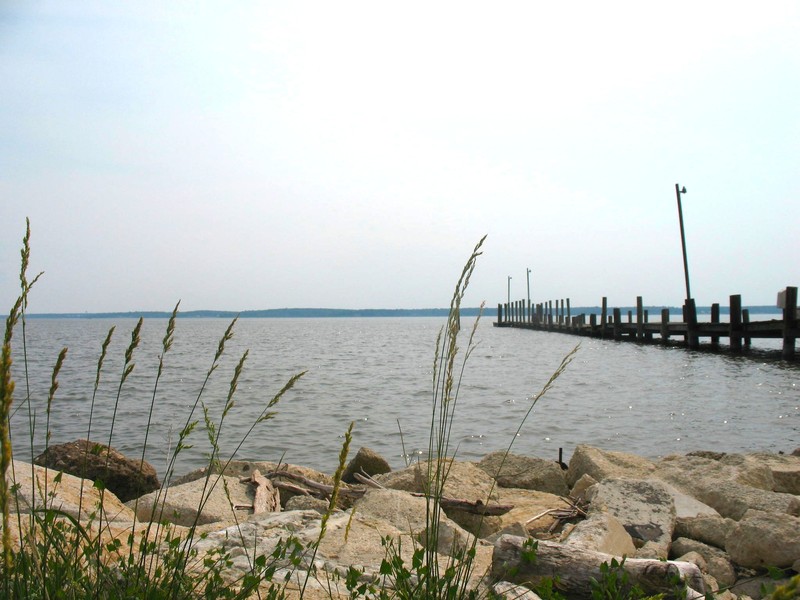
[499, 313]
[639, 319]
[790, 322]
[746, 326]
[691, 324]
[648, 335]
[617, 324]
[569, 312]
[715, 319]
[630, 317]
[664, 325]
[603, 318]
[735, 326]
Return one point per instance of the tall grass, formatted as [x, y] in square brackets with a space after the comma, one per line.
[57, 555]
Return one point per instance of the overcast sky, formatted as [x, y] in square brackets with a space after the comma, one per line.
[255, 155]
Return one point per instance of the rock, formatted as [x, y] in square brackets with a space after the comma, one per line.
[707, 529]
[720, 484]
[301, 502]
[126, 478]
[523, 472]
[464, 481]
[644, 507]
[180, 504]
[785, 470]
[763, 539]
[601, 464]
[365, 461]
[696, 559]
[582, 485]
[408, 513]
[527, 504]
[718, 565]
[512, 591]
[601, 532]
[67, 495]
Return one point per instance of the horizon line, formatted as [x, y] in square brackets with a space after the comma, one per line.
[343, 312]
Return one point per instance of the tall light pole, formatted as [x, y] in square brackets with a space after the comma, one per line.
[529, 287]
[509, 292]
[678, 192]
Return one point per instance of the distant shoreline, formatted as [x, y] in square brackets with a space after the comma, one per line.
[318, 313]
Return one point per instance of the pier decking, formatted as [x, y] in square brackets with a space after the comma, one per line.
[610, 324]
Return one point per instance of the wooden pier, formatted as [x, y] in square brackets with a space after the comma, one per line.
[609, 324]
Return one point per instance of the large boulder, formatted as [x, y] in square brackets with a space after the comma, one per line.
[709, 529]
[600, 464]
[717, 563]
[644, 507]
[531, 513]
[524, 472]
[36, 487]
[197, 503]
[365, 461]
[408, 513]
[731, 485]
[785, 470]
[763, 539]
[462, 481]
[126, 478]
[601, 532]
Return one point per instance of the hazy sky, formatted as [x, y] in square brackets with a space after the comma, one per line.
[249, 155]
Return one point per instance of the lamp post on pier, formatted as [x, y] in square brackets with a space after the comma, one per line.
[528, 306]
[508, 306]
[678, 192]
[529, 287]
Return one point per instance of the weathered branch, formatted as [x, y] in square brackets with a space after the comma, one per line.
[352, 492]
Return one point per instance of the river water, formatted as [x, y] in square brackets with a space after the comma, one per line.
[377, 373]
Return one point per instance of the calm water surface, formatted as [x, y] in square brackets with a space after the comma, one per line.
[377, 372]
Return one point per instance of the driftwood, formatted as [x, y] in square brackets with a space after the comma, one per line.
[575, 568]
[266, 497]
[322, 490]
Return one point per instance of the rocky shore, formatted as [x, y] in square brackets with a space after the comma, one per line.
[719, 521]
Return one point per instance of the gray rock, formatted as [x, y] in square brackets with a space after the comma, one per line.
[408, 513]
[464, 481]
[785, 470]
[601, 464]
[35, 487]
[581, 486]
[513, 591]
[524, 472]
[644, 507]
[713, 530]
[301, 502]
[728, 487]
[601, 532]
[181, 504]
[718, 564]
[763, 539]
